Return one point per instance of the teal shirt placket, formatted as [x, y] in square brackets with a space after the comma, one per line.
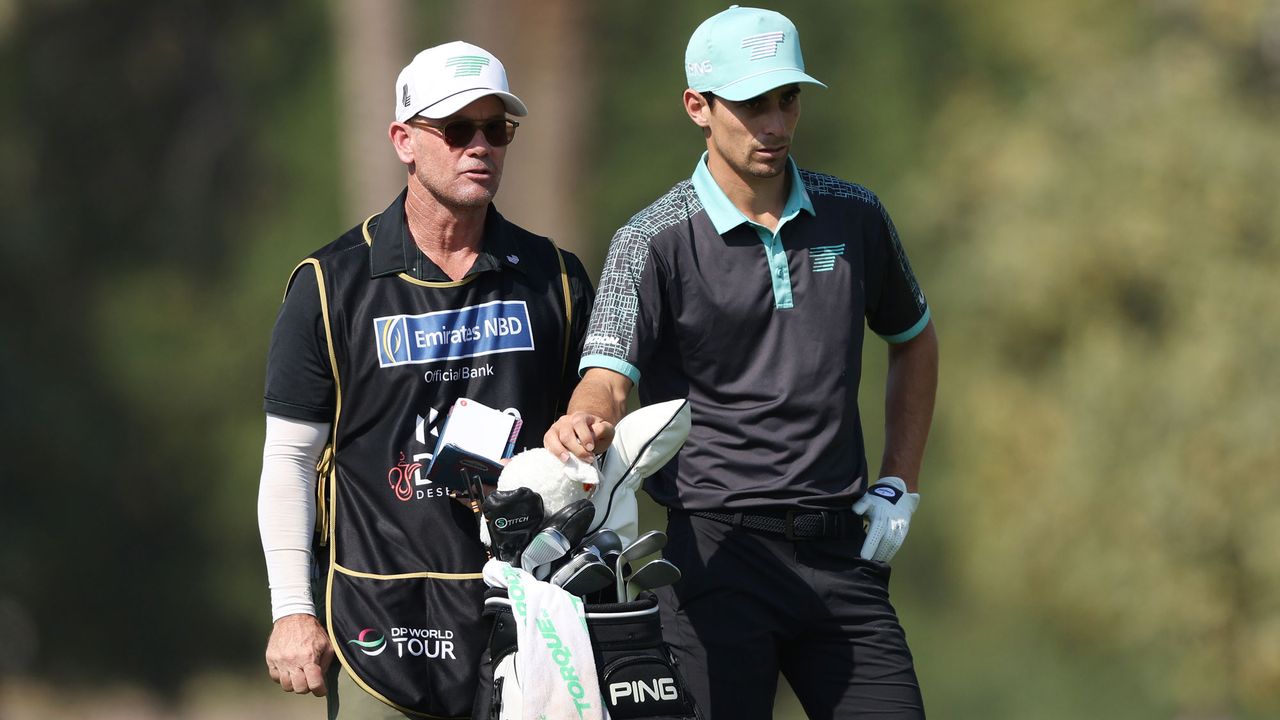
[724, 216]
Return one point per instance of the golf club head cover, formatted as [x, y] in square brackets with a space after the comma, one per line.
[643, 442]
[572, 520]
[887, 506]
[511, 517]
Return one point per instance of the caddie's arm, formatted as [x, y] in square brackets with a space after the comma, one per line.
[298, 654]
[298, 651]
[910, 388]
[598, 403]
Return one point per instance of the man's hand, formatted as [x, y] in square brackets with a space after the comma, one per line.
[888, 507]
[580, 433]
[298, 654]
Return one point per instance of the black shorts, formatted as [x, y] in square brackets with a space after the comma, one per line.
[750, 605]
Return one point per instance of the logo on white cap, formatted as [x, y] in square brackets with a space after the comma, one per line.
[467, 65]
[764, 45]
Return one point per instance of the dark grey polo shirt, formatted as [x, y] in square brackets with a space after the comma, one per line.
[761, 331]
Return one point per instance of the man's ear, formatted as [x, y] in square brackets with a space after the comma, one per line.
[401, 141]
[697, 107]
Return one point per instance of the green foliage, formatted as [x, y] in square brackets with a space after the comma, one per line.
[141, 186]
[1109, 354]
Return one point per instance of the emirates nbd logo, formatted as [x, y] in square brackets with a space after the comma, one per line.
[500, 326]
[467, 65]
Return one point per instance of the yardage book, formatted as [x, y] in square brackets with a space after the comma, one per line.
[473, 438]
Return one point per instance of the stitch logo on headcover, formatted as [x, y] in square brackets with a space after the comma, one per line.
[500, 326]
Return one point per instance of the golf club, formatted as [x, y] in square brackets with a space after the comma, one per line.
[572, 520]
[547, 546]
[647, 544]
[590, 578]
[654, 574]
[605, 541]
[572, 565]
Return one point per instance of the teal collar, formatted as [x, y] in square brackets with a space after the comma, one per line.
[724, 216]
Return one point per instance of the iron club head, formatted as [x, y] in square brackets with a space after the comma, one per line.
[589, 578]
[547, 546]
[647, 544]
[654, 574]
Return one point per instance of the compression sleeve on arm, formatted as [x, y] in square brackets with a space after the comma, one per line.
[287, 510]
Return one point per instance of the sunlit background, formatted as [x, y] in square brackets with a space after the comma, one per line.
[1089, 191]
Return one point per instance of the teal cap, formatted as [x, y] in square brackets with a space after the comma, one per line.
[744, 52]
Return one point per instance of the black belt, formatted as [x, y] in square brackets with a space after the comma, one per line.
[795, 524]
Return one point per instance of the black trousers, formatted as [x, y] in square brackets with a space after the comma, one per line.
[750, 605]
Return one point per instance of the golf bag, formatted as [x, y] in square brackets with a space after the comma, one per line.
[639, 678]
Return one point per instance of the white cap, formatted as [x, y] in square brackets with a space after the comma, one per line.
[446, 78]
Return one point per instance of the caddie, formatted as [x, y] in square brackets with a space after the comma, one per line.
[437, 297]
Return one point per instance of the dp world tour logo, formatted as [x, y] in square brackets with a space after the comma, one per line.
[764, 45]
[467, 65]
[369, 647]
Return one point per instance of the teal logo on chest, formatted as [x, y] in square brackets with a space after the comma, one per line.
[824, 257]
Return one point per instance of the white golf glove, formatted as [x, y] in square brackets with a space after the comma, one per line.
[887, 506]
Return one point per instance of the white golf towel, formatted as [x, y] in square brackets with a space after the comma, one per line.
[554, 663]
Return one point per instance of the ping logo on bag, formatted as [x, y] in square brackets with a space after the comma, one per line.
[639, 691]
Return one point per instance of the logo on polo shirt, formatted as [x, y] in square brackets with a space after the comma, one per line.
[467, 65]
[824, 257]
[764, 45]
[501, 326]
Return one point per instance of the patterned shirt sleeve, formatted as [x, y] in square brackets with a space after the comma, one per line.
[896, 306]
[623, 321]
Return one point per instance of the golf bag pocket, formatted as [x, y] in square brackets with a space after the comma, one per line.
[412, 642]
[639, 678]
[638, 675]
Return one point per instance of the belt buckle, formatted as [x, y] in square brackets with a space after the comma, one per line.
[789, 525]
[832, 524]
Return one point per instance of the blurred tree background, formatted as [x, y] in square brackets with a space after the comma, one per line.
[1088, 191]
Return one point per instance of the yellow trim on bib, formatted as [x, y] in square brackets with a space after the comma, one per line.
[408, 576]
[368, 240]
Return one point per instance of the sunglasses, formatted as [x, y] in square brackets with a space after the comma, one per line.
[459, 133]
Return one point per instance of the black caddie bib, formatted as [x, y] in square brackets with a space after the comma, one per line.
[404, 590]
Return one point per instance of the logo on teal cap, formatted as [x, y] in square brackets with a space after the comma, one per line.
[764, 45]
